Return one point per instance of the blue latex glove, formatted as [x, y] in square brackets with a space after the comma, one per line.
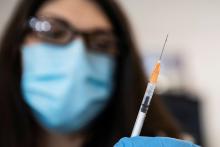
[152, 142]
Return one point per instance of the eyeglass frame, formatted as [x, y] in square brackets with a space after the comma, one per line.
[86, 35]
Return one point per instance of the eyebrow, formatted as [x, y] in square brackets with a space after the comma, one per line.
[65, 21]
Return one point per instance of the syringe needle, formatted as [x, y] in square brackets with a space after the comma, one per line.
[164, 45]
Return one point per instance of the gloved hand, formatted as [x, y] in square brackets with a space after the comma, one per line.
[152, 142]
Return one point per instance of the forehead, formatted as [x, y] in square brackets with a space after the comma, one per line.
[84, 14]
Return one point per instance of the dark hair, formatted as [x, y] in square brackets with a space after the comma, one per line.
[19, 129]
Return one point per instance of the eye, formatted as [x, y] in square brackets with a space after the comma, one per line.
[58, 33]
[52, 30]
[102, 41]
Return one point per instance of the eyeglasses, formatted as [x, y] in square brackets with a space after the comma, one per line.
[58, 31]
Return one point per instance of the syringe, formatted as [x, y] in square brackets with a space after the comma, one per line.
[147, 96]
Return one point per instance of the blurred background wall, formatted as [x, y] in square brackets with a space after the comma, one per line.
[6, 8]
[194, 28]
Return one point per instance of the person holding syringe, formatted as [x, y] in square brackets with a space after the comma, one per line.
[69, 75]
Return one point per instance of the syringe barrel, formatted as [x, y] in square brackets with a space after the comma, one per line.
[138, 124]
[143, 110]
[147, 97]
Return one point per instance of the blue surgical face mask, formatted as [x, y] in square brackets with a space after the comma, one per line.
[66, 87]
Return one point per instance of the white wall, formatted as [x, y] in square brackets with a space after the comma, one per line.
[194, 28]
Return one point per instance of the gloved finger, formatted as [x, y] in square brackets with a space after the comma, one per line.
[152, 142]
[136, 141]
[165, 142]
